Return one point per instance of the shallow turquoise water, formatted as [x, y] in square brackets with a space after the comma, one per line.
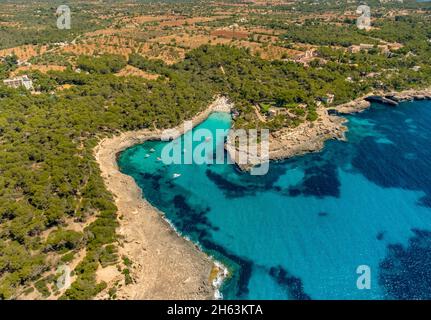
[301, 231]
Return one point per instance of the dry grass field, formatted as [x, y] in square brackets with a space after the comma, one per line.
[132, 71]
[34, 67]
[24, 52]
[168, 36]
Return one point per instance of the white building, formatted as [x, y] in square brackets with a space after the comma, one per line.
[328, 99]
[17, 82]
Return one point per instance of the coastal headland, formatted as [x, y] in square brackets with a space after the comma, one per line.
[311, 136]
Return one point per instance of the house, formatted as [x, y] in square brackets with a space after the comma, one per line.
[60, 44]
[384, 48]
[372, 74]
[360, 47]
[354, 49]
[328, 99]
[305, 57]
[394, 46]
[17, 82]
[272, 112]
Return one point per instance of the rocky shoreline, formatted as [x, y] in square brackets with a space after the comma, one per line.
[165, 265]
[289, 142]
[391, 98]
[311, 136]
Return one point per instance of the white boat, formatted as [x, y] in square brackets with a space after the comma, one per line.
[147, 155]
[152, 150]
[176, 175]
[159, 159]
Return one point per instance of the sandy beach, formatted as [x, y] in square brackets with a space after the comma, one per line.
[165, 265]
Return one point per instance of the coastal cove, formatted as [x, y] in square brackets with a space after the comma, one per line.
[162, 259]
[301, 231]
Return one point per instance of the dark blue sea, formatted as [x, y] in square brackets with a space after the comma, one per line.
[302, 230]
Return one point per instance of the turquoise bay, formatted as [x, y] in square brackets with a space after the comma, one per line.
[301, 231]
